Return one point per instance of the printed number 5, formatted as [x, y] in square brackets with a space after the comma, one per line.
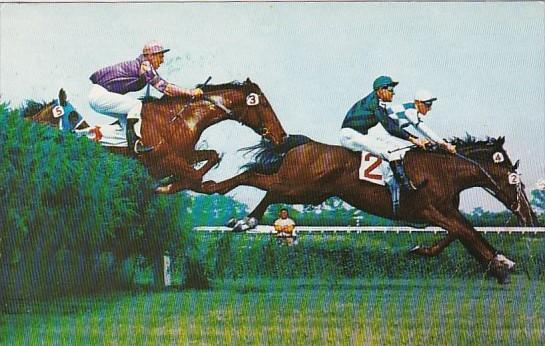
[58, 111]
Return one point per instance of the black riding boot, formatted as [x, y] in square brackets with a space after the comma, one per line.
[133, 141]
[401, 176]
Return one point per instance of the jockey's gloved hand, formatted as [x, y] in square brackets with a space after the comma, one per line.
[197, 93]
[449, 147]
[431, 146]
[421, 142]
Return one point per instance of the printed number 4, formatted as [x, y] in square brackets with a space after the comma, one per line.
[368, 173]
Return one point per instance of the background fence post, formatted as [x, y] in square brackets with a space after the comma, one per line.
[162, 271]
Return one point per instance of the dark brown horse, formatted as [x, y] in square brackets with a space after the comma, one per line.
[173, 125]
[303, 171]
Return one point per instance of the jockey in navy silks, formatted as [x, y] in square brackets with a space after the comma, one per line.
[368, 126]
[112, 83]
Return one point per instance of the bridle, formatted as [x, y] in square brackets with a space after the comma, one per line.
[231, 114]
[516, 206]
[264, 130]
[62, 113]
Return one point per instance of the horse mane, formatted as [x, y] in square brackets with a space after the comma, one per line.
[267, 157]
[215, 87]
[206, 88]
[472, 146]
[30, 108]
[148, 99]
[473, 142]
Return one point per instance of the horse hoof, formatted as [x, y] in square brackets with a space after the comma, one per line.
[503, 279]
[163, 189]
[240, 225]
[220, 157]
[502, 260]
[415, 249]
[231, 223]
[500, 267]
[252, 222]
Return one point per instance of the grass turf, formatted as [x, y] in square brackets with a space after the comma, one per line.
[377, 311]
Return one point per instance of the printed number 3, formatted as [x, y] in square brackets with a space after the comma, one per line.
[252, 99]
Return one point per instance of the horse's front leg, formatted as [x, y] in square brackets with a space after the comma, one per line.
[184, 175]
[435, 249]
[211, 157]
[459, 228]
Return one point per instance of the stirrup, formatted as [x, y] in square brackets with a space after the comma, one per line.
[141, 148]
[409, 186]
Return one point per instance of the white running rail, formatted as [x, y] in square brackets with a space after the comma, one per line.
[265, 229]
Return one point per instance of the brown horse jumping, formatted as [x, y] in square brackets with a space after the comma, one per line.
[311, 172]
[173, 125]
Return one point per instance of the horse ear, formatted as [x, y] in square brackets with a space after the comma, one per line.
[248, 80]
[516, 165]
[501, 140]
[62, 97]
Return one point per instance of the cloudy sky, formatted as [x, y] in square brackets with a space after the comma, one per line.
[484, 62]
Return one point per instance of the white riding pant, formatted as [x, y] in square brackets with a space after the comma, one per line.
[377, 141]
[116, 105]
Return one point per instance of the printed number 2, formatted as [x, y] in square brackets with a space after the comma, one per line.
[368, 173]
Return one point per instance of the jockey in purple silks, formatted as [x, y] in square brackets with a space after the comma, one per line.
[112, 83]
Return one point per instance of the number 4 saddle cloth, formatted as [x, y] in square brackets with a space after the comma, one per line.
[376, 170]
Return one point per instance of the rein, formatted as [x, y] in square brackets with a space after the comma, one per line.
[190, 101]
[480, 167]
[230, 113]
[516, 205]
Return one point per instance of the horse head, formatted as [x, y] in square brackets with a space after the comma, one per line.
[502, 179]
[251, 108]
[58, 113]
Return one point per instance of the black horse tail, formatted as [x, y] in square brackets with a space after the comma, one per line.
[267, 157]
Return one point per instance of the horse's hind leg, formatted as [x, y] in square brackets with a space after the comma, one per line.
[252, 220]
[435, 249]
[259, 211]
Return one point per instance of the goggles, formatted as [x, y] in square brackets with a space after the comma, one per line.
[388, 87]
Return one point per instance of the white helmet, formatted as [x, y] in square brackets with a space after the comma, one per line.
[424, 96]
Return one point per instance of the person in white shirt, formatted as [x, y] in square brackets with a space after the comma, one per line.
[409, 116]
[285, 228]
